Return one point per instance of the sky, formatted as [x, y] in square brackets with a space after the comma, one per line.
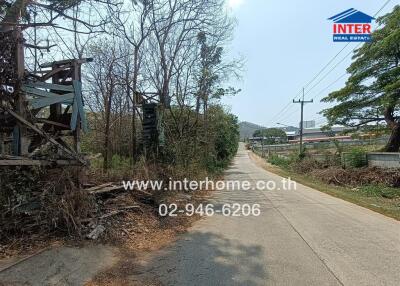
[285, 44]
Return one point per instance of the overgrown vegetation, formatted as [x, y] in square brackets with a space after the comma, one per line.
[170, 53]
[331, 171]
[41, 201]
[357, 158]
[372, 187]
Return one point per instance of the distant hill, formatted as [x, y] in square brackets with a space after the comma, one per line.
[247, 129]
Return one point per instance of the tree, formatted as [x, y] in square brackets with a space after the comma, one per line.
[272, 135]
[108, 98]
[372, 92]
[132, 24]
[19, 12]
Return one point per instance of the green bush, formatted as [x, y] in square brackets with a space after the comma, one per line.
[380, 191]
[356, 158]
[120, 163]
[277, 160]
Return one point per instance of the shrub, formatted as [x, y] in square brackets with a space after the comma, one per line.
[380, 191]
[306, 165]
[356, 158]
[277, 160]
[120, 163]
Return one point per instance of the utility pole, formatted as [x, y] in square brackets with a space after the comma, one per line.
[262, 147]
[302, 102]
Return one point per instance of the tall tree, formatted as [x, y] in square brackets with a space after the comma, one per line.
[372, 92]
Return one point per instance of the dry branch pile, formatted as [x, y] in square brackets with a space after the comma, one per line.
[33, 201]
[350, 177]
[38, 203]
[359, 177]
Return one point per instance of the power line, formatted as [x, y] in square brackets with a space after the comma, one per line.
[356, 47]
[337, 64]
[334, 67]
[327, 87]
[384, 5]
[312, 80]
[324, 68]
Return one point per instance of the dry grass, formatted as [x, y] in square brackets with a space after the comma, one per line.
[40, 206]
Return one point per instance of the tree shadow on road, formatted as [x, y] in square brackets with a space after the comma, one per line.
[204, 258]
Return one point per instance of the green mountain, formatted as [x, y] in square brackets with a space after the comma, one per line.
[247, 129]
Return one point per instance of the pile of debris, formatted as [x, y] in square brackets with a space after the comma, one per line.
[41, 204]
[358, 176]
[111, 202]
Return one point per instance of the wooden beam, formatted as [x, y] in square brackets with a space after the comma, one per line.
[43, 163]
[54, 71]
[42, 102]
[20, 162]
[2, 151]
[40, 92]
[51, 86]
[45, 135]
[79, 106]
[63, 62]
[53, 123]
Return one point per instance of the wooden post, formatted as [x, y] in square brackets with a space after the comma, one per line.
[21, 143]
[76, 75]
[2, 151]
[55, 109]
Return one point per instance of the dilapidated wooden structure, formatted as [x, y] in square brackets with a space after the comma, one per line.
[41, 114]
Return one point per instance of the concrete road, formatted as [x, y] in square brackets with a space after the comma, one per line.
[302, 237]
[59, 266]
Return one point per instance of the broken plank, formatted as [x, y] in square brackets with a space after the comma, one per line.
[53, 123]
[98, 187]
[107, 190]
[40, 92]
[42, 102]
[45, 135]
[51, 86]
[20, 162]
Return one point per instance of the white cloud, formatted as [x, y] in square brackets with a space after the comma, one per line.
[234, 4]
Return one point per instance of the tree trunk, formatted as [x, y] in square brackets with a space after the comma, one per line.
[107, 132]
[134, 87]
[393, 144]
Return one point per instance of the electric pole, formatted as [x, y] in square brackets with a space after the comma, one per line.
[302, 102]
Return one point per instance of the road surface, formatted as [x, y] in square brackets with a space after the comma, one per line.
[302, 237]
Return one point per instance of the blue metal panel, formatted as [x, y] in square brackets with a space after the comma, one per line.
[38, 92]
[77, 109]
[74, 117]
[51, 86]
[47, 101]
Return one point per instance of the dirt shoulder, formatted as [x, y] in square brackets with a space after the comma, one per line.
[385, 206]
[115, 258]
